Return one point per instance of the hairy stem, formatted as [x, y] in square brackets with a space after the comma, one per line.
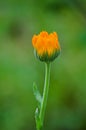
[45, 93]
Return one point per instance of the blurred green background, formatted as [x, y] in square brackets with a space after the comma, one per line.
[19, 21]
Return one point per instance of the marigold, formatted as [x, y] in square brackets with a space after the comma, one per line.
[46, 46]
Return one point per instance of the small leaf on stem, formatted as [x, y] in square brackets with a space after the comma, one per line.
[37, 93]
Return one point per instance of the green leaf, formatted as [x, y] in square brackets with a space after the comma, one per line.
[37, 93]
[38, 124]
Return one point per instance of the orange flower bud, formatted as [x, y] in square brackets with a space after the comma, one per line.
[46, 46]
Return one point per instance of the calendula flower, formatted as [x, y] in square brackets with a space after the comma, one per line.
[46, 46]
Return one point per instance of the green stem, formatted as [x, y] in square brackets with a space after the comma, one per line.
[45, 93]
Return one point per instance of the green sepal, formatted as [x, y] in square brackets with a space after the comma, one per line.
[47, 58]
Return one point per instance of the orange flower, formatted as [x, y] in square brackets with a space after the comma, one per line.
[46, 46]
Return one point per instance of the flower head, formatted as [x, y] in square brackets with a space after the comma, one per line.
[46, 46]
